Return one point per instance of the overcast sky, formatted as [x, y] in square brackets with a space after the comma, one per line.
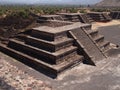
[51, 1]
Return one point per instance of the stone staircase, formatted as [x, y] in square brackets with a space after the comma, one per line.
[50, 17]
[99, 16]
[44, 48]
[115, 14]
[85, 18]
[106, 16]
[52, 50]
[72, 17]
[52, 21]
[98, 39]
[87, 45]
[76, 17]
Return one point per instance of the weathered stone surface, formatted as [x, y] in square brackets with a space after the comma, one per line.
[55, 54]
[115, 14]
[76, 17]
[99, 16]
[89, 47]
[49, 50]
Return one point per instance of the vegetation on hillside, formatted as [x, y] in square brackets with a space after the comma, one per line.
[14, 18]
[6, 10]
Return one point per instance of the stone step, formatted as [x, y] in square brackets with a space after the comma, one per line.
[71, 16]
[49, 17]
[89, 19]
[43, 67]
[54, 45]
[88, 27]
[49, 46]
[115, 14]
[107, 16]
[65, 17]
[89, 49]
[43, 18]
[98, 18]
[75, 20]
[97, 15]
[53, 58]
[53, 23]
[104, 44]
[58, 18]
[99, 38]
[21, 36]
[46, 35]
[83, 19]
[72, 19]
[93, 33]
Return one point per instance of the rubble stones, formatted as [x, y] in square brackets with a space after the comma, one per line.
[11, 78]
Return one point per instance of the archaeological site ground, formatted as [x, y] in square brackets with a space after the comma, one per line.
[60, 49]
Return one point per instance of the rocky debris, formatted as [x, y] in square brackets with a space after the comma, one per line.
[4, 85]
[11, 78]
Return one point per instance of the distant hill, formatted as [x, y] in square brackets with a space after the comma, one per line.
[112, 3]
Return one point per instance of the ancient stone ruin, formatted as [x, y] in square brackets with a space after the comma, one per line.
[99, 16]
[58, 44]
[115, 14]
[76, 17]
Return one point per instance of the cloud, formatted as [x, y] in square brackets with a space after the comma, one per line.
[51, 1]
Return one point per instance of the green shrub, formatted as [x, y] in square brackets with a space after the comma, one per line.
[72, 10]
[82, 11]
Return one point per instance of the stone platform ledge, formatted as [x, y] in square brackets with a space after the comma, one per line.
[60, 29]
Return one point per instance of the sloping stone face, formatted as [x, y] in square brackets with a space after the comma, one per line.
[110, 3]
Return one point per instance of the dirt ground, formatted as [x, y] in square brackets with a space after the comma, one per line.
[105, 75]
[97, 25]
[12, 25]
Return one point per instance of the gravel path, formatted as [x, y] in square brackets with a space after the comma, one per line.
[11, 78]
